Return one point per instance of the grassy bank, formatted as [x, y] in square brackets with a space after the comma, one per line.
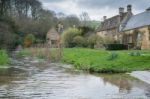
[107, 61]
[93, 60]
[4, 59]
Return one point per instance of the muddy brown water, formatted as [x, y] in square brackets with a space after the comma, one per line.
[32, 79]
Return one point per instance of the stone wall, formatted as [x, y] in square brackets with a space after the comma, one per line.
[109, 33]
[145, 43]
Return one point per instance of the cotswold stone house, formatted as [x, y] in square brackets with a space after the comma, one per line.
[129, 29]
[136, 32]
[110, 27]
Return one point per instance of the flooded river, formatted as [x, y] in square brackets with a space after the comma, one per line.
[32, 79]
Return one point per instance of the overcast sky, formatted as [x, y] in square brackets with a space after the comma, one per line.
[95, 8]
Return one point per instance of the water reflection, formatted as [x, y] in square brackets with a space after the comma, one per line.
[42, 80]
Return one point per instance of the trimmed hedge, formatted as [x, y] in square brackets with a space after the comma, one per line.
[115, 46]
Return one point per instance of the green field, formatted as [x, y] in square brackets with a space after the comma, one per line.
[103, 61]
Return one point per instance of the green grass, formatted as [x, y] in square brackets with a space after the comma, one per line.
[103, 61]
[4, 59]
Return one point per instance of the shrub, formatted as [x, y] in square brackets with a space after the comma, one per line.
[28, 40]
[79, 41]
[115, 46]
[69, 35]
[4, 59]
[113, 56]
[95, 40]
[135, 54]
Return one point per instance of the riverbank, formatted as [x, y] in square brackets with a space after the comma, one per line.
[103, 61]
[29, 78]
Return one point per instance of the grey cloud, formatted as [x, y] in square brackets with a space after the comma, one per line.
[138, 4]
[51, 1]
[98, 5]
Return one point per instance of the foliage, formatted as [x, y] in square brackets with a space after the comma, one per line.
[69, 35]
[97, 60]
[4, 59]
[135, 54]
[19, 17]
[28, 40]
[71, 21]
[7, 33]
[94, 40]
[113, 56]
[86, 31]
[79, 41]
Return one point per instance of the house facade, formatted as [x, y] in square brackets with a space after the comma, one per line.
[136, 32]
[110, 27]
[129, 29]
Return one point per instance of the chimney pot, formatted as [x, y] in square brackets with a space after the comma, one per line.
[104, 17]
[148, 9]
[129, 8]
[121, 10]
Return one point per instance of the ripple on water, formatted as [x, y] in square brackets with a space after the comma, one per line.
[53, 82]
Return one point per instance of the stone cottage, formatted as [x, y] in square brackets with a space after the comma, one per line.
[110, 27]
[53, 35]
[129, 29]
[136, 31]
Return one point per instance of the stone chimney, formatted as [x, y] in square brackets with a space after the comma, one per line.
[148, 9]
[129, 8]
[104, 18]
[121, 11]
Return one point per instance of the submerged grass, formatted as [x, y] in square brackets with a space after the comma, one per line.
[4, 59]
[107, 61]
[42, 53]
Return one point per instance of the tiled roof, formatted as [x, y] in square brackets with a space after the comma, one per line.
[138, 20]
[110, 23]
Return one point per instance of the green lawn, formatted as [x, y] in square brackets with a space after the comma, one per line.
[107, 61]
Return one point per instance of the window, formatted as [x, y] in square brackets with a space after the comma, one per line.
[53, 41]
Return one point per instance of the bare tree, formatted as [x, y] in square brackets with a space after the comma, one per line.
[84, 17]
